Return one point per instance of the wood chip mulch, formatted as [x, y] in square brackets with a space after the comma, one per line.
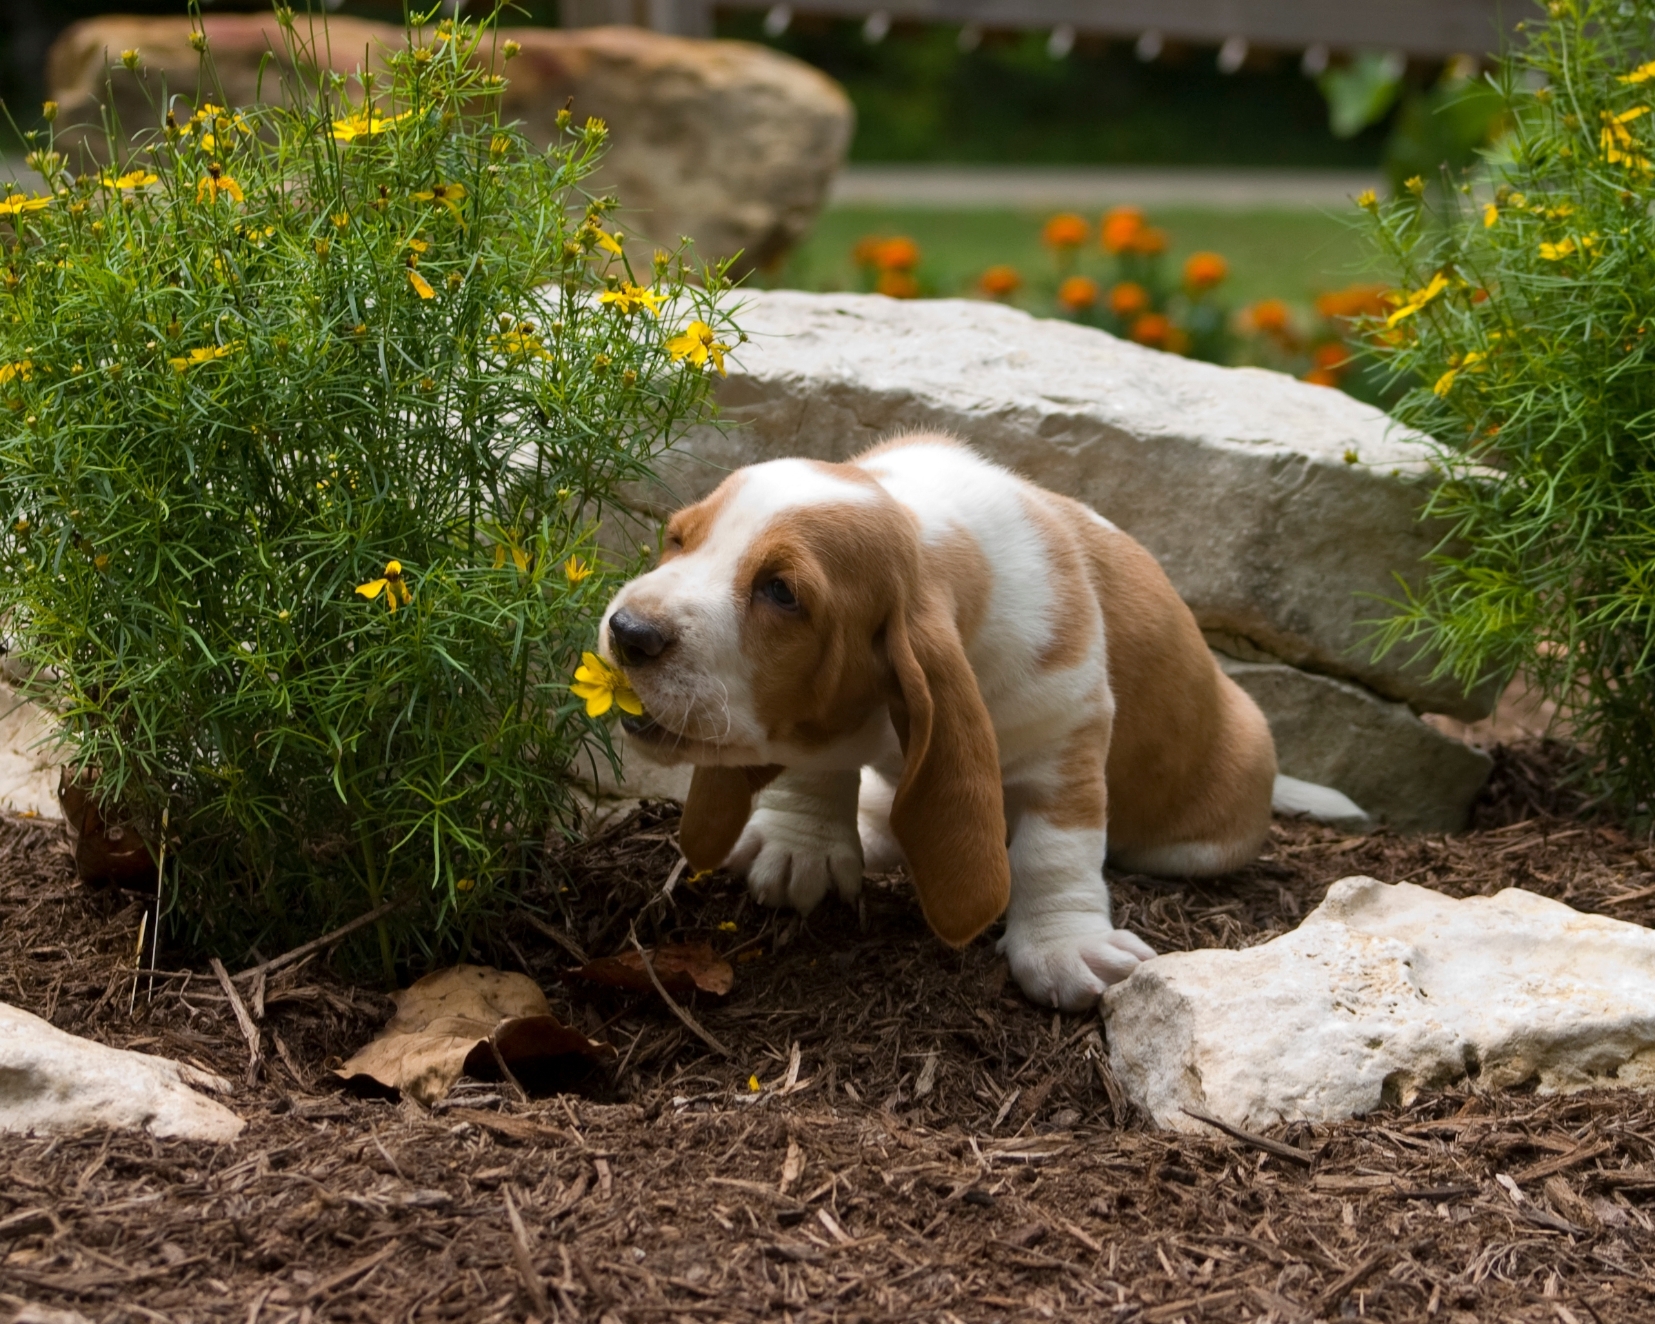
[924, 1145]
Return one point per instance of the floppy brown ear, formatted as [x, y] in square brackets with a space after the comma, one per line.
[949, 813]
[717, 808]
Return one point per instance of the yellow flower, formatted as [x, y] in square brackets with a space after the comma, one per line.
[1618, 143]
[575, 570]
[1412, 303]
[729, 925]
[521, 342]
[604, 687]
[204, 354]
[444, 195]
[519, 557]
[1367, 199]
[133, 179]
[629, 298]
[1558, 251]
[392, 585]
[697, 343]
[1642, 74]
[214, 182]
[422, 287]
[1470, 362]
[365, 123]
[23, 370]
[612, 243]
[1491, 214]
[465, 884]
[16, 204]
[753, 1085]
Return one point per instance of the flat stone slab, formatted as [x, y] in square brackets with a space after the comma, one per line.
[53, 1081]
[1280, 510]
[1385, 990]
[1403, 772]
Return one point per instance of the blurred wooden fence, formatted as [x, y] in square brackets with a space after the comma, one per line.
[1424, 28]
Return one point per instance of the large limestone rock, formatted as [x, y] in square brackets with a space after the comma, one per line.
[731, 144]
[52, 1081]
[1385, 990]
[28, 759]
[1400, 770]
[1280, 510]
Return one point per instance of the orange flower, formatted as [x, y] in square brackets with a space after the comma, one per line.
[1065, 230]
[1331, 357]
[999, 282]
[1152, 329]
[1322, 377]
[1119, 228]
[899, 254]
[1204, 270]
[1269, 316]
[1078, 293]
[1353, 301]
[1128, 299]
[898, 285]
[1149, 241]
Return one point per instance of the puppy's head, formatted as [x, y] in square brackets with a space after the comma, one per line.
[789, 615]
[759, 636]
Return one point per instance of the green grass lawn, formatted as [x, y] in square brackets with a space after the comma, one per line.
[1292, 255]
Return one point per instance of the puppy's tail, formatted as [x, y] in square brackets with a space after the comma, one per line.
[1320, 804]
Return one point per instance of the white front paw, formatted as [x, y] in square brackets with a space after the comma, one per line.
[791, 859]
[1066, 959]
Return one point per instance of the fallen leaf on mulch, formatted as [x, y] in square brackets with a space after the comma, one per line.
[453, 1022]
[682, 967]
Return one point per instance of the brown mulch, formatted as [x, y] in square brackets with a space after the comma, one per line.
[924, 1144]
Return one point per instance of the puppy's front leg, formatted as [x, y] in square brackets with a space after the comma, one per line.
[801, 838]
[1061, 945]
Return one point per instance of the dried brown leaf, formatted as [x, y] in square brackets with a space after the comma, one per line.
[453, 1022]
[683, 968]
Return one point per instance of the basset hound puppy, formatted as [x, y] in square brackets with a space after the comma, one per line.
[920, 658]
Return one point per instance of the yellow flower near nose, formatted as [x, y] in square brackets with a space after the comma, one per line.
[604, 687]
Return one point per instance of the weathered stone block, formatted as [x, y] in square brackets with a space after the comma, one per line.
[1334, 733]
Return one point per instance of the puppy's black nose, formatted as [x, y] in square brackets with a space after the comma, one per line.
[634, 639]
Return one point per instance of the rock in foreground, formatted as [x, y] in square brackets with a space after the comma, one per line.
[731, 144]
[1384, 990]
[52, 1081]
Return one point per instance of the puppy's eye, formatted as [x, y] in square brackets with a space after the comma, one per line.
[779, 593]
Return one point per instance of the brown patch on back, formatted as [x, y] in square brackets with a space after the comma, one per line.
[1190, 756]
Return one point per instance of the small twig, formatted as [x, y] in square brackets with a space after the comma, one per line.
[316, 944]
[693, 1025]
[1269, 1146]
[1336, 1293]
[160, 879]
[512, 1082]
[249, 1031]
[532, 1283]
[557, 935]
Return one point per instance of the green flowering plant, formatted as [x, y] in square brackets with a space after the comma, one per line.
[1524, 320]
[308, 413]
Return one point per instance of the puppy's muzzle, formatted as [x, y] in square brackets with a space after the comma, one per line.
[635, 640]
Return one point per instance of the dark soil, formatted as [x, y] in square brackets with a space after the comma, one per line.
[924, 1144]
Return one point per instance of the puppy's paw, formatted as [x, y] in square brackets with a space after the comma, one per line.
[791, 859]
[1066, 959]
